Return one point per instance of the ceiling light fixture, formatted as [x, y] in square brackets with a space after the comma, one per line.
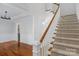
[5, 16]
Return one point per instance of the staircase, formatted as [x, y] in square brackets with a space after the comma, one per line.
[66, 41]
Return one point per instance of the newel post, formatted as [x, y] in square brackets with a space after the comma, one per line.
[36, 48]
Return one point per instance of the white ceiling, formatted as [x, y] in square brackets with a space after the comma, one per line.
[11, 11]
[19, 10]
[16, 10]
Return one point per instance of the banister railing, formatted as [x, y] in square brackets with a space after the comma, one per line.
[39, 46]
[56, 3]
[45, 32]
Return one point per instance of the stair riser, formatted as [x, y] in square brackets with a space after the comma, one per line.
[63, 23]
[66, 48]
[68, 35]
[68, 31]
[68, 24]
[68, 41]
[56, 54]
[68, 20]
[68, 27]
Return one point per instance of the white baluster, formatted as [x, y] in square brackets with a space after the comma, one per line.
[36, 48]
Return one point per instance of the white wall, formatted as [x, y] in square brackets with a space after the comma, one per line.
[38, 8]
[26, 29]
[7, 30]
[77, 10]
[40, 24]
[35, 8]
[67, 9]
[41, 20]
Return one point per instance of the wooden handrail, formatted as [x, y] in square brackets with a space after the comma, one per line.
[45, 32]
[56, 3]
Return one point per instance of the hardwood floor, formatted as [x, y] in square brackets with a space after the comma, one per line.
[11, 49]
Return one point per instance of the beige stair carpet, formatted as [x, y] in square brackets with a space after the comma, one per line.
[67, 37]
